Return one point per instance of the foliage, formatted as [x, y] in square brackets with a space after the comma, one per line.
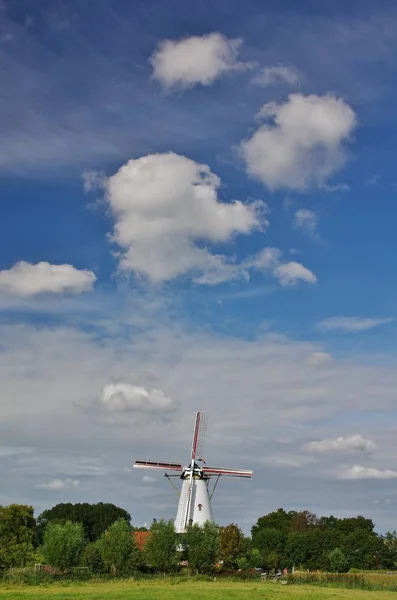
[17, 535]
[390, 543]
[118, 550]
[287, 539]
[161, 548]
[92, 558]
[63, 544]
[201, 546]
[337, 560]
[95, 518]
[232, 545]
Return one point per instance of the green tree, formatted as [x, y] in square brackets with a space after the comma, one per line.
[95, 518]
[92, 558]
[161, 548]
[17, 535]
[63, 544]
[118, 550]
[337, 560]
[279, 520]
[390, 543]
[255, 558]
[231, 545]
[201, 546]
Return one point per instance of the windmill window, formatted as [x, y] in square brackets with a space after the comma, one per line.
[200, 506]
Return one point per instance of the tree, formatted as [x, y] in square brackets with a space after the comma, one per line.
[231, 545]
[96, 518]
[118, 550]
[17, 535]
[201, 546]
[390, 543]
[63, 544]
[279, 520]
[255, 558]
[268, 540]
[304, 521]
[160, 550]
[337, 560]
[92, 558]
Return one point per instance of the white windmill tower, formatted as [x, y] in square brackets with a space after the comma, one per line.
[194, 498]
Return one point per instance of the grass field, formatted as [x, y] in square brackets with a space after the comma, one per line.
[186, 591]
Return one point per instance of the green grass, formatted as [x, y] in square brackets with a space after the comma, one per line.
[168, 590]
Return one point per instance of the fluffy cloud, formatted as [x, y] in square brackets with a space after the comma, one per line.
[351, 323]
[194, 60]
[59, 484]
[165, 206]
[278, 74]
[25, 279]
[289, 273]
[306, 220]
[350, 442]
[267, 260]
[302, 145]
[124, 397]
[358, 472]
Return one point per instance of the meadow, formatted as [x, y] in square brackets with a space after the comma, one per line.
[174, 590]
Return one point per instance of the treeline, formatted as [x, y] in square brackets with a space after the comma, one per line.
[99, 539]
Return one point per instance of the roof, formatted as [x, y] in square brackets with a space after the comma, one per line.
[141, 537]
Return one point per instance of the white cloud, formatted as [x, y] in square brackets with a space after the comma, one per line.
[194, 60]
[307, 221]
[358, 472]
[59, 484]
[351, 323]
[124, 397]
[303, 145]
[165, 205]
[267, 260]
[350, 442]
[278, 74]
[25, 279]
[148, 479]
[289, 273]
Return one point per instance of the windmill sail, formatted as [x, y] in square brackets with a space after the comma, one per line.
[228, 472]
[200, 427]
[150, 464]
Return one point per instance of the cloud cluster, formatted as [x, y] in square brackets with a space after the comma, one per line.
[261, 394]
[302, 145]
[342, 444]
[124, 397]
[165, 206]
[269, 260]
[359, 472]
[352, 324]
[196, 59]
[26, 280]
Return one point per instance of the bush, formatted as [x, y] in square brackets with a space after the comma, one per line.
[92, 558]
[63, 545]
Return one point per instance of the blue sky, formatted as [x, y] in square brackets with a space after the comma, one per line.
[260, 288]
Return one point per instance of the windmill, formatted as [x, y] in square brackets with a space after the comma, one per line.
[194, 504]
